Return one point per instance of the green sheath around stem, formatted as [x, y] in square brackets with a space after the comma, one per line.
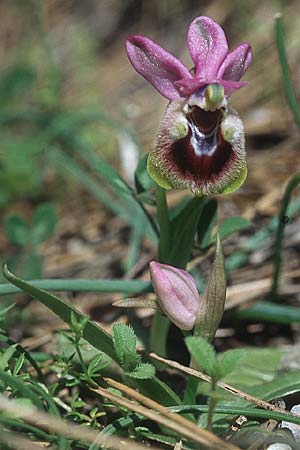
[161, 324]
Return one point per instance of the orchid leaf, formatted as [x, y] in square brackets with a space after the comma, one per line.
[183, 229]
[93, 333]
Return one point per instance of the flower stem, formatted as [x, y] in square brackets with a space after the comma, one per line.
[164, 225]
[160, 324]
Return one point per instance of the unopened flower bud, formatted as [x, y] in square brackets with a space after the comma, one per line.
[177, 294]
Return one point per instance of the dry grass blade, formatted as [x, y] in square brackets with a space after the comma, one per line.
[18, 442]
[227, 387]
[173, 421]
[76, 432]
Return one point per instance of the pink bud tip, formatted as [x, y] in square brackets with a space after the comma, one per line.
[177, 294]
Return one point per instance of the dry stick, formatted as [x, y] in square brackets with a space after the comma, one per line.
[227, 387]
[47, 422]
[174, 421]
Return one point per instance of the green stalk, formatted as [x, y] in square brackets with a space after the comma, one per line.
[211, 404]
[287, 81]
[161, 324]
[164, 245]
[293, 183]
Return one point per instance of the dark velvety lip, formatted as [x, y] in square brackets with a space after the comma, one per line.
[206, 121]
[206, 164]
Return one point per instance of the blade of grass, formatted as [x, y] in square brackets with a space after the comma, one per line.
[18, 424]
[21, 350]
[270, 312]
[121, 188]
[59, 158]
[293, 183]
[134, 419]
[288, 86]
[173, 421]
[24, 389]
[82, 285]
[93, 333]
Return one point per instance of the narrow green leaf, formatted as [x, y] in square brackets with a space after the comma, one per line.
[202, 352]
[82, 285]
[6, 356]
[93, 333]
[229, 226]
[23, 388]
[134, 419]
[206, 223]
[20, 425]
[134, 245]
[282, 385]
[158, 390]
[270, 312]
[143, 181]
[183, 229]
[287, 81]
[19, 364]
[104, 169]
[22, 351]
[89, 182]
[97, 364]
[292, 184]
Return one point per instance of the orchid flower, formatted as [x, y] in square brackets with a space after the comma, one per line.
[200, 144]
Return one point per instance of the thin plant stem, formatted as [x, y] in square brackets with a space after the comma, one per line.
[282, 221]
[161, 324]
[211, 405]
[164, 225]
[287, 81]
[82, 363]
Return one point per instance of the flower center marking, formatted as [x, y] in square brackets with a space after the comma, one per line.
[204, 130]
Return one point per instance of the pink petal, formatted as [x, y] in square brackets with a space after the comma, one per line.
[231, 86]
[187, 86]
[207, 45]
[157, 65]
[236, 63]
[177, 293]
